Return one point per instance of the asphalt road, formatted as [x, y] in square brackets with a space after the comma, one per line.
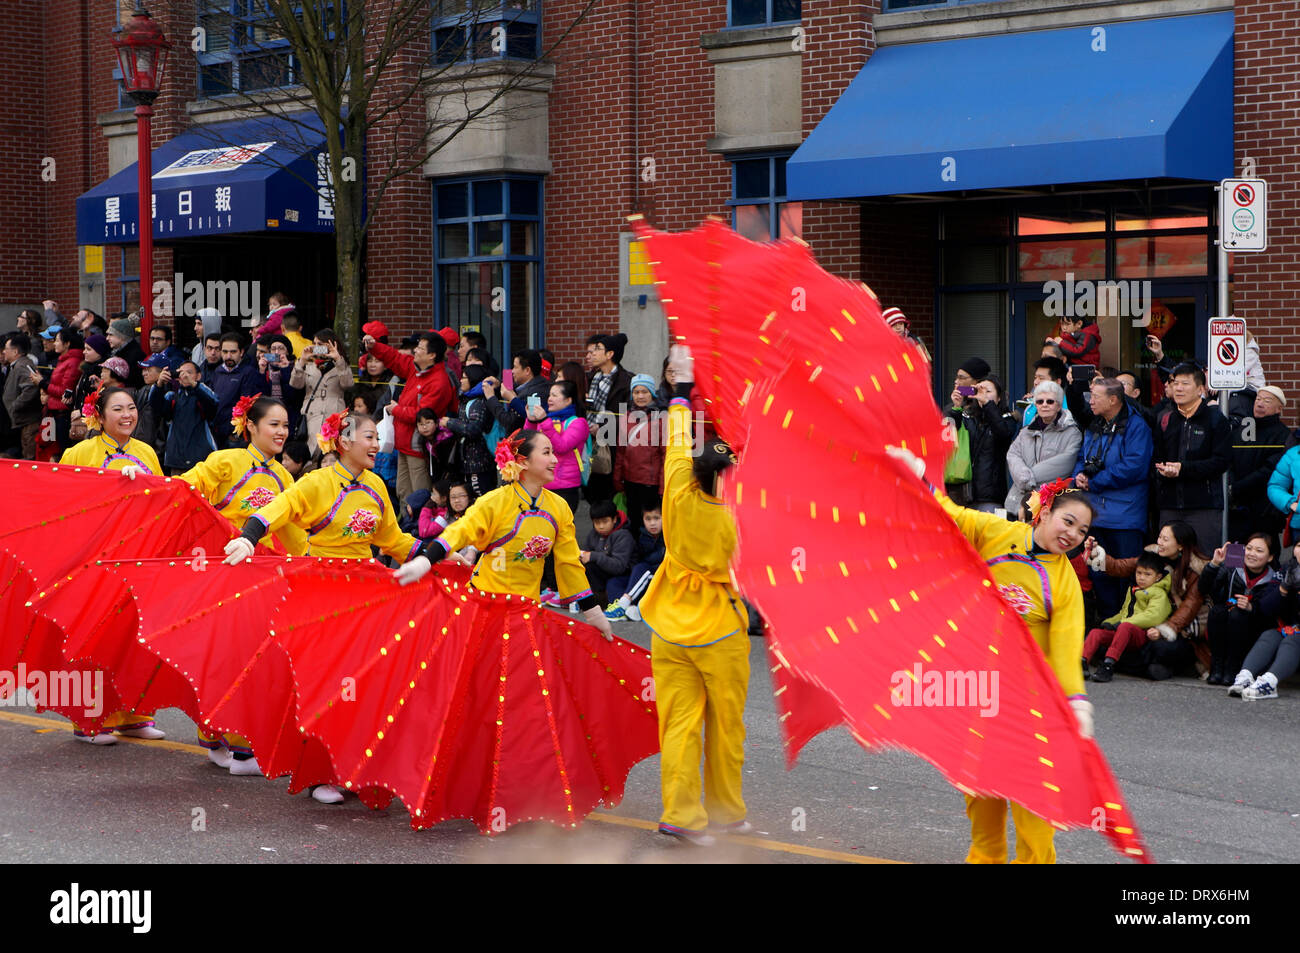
[1209, 778]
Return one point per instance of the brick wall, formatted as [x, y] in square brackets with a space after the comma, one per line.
[23, 243]
[399, 252]
[1267, 95]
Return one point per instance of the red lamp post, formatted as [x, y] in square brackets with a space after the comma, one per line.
[142, 54]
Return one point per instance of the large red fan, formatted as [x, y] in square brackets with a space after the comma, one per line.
[463, 704]
[860, 573]
[68, 519]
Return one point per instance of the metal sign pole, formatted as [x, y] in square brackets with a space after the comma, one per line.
[1223, 313]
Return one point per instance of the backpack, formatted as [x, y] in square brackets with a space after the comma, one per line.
[494, 435]
[583, 455]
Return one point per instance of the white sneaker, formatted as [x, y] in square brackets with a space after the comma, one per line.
[739, 827]
[327, 794]
[221, 757]
[1264, 688]
[633, 613]
[103, 738]
[1243, 681]
[247, 767]
[148, 732]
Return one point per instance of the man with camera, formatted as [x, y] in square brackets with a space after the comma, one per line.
[1114, 467]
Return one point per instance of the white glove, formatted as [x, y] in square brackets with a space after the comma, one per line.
[596, 616]
[1083, 712]
[130, 471]
[908, 459]
[237, 550]
[682, 364]
[413, 571]
[1097, 561]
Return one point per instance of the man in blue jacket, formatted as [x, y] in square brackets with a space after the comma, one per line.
[234, 378]
[191, 407]
[1114, 466]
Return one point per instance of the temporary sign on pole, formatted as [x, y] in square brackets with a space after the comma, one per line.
[1227, 354]
[1243, 214]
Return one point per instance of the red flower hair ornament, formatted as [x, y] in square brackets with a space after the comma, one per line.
[239, 416]
[88, 412]
[1041, 502]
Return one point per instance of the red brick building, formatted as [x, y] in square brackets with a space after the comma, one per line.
[679, 109]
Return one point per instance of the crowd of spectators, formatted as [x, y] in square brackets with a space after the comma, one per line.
[1168, 591]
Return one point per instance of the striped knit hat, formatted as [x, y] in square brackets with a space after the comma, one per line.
[895, 316]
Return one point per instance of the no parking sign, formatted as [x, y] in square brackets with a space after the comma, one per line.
[1227, 353]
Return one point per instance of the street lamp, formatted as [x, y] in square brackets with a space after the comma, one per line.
[142, 54]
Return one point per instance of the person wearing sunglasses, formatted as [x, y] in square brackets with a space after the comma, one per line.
[1045, 449]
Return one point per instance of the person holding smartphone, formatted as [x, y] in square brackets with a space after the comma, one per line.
[323, 374]
[1233, 584]
[981, 408]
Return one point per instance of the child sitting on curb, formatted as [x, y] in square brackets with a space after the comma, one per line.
[1146, 606]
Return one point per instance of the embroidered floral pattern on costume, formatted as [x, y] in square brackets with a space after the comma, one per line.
[363, 523]
[536, 548]
[257, 499]
[1016, 598]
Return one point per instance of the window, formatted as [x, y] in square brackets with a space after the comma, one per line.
[760, 211]
[893, 6]
[763, 12]
[486, 29]
[488, 254]
[243, 49]
[128, 278]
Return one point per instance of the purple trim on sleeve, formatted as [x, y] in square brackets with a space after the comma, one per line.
[261, 519]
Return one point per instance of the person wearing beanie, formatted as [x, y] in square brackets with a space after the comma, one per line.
[899, 324]
[639, 469]
[122, 341]
[114, 371]
[377, 330]
[452, 337]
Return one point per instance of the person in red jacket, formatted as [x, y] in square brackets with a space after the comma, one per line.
[63, 381]
[427, 385]
[1080, 341]
[639, 468]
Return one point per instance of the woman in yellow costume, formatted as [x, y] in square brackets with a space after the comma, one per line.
[238, 482]
[112, 411]
[344, 509]
[1034, 576]
[701, 645]
[515, 526]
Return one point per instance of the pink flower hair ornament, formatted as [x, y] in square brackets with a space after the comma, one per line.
[328, 438]
[506, 452]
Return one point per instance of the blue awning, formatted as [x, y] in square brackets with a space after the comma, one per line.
[249, 175]
[1137, 100]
